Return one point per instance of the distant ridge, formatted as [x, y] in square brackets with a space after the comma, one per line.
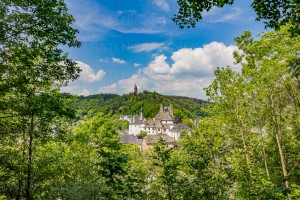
[185, 108]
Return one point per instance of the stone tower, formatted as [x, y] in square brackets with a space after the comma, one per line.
[135, 90]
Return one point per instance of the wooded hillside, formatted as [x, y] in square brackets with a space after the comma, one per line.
[184, 107]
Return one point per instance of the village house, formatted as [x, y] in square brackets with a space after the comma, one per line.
[163, 123]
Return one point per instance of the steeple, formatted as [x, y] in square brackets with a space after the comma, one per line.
[135, 90]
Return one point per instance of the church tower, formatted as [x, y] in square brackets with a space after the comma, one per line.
[135, 90]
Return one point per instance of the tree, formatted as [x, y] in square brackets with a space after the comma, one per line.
[164, 165]
[269, 70]
[32, 69]
[274, 12]
[206, 166]
[259, 109]
[120, 167]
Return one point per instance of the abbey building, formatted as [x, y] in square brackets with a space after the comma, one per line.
[163, 123]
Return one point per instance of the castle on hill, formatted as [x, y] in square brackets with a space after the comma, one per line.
[163, 123]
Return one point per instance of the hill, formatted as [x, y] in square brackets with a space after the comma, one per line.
[184, 107]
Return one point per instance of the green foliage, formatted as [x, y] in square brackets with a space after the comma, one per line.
[275, 13]
[206, 165]
[119, 167]
[143, 134]
[258, 107]
[165, 168]
[33, 67]
[184, 108]
[248, 147]
[190, 11]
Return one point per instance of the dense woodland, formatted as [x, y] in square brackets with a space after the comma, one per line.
[59, 146]
[186, 109]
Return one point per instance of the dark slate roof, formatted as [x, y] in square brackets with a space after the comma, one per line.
[164, 116]
[130, 139]
[153, 124]
[150, 139]
[136, 120]
[180, 126]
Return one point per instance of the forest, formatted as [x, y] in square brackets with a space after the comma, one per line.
[185, 109]
[61, 146]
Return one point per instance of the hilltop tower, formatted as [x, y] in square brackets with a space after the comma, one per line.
[135, 90]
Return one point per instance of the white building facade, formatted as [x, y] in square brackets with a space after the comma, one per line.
[163, 123]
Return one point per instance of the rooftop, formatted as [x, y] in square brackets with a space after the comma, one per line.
[130, 139]
[164, 116]
[151, 139]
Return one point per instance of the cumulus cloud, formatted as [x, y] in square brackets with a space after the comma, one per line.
[118, 60]
[158, 68]
[85, 92]
[202, 60]
[75, 89]
[147, 47]
[87, 74]
[126, 85]
[190, 72]
[86, 78]
[137, 64]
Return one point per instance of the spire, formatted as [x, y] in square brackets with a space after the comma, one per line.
[135, 90]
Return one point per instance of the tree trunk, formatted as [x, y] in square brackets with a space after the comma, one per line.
[279, 145]
[20, 181]
[282, 159]
[29, 165]
[246, 150]
[264, 154]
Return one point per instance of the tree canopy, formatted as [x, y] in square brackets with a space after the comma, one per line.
[33, 67]
[274, 13]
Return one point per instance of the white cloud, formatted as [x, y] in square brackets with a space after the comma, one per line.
[162, 4]
[104, 60]
[137, 64]
[202, 60]
[94, 21]
[85, 92]
[161, 20]
[74, 88]
[126, 85]
[190, 72]
[158, 66]
[118, 60]
[147, 47]
[87, 74]
[84, 83]
[229, 14]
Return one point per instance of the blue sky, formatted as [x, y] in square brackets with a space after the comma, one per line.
[136, 42]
